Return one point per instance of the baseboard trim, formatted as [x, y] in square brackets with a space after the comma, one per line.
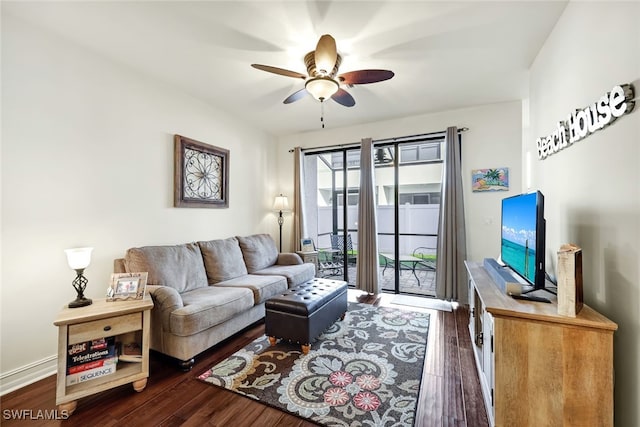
[28, 374]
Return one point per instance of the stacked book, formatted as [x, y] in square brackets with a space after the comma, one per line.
[90, 360]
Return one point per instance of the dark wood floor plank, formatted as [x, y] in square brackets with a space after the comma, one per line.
[31, 396]
[431, 396]
[434, 363]
[454, 403]
[199, 410]
[450, 391]
[430, 405]
[158, 410]
[207, 408]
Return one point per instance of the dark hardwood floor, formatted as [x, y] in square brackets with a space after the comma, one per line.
[450, 392]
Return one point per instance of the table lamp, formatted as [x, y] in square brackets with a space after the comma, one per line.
[79, 259]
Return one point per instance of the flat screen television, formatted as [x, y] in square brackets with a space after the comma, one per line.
[523, 237]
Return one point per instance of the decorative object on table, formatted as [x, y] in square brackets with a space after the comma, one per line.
[361, 370]
[570, 294]
[125, 286]
[130, 352]
[490, 179]
[79, 259]
[281, 204]
[307, 245]
[201, 174]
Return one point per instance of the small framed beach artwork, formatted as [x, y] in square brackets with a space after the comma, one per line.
[496, 179]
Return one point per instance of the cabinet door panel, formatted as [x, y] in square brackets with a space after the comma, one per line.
[488, 362]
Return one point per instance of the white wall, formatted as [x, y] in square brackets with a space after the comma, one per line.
[592, 192]
[494, 139]
[87, 159]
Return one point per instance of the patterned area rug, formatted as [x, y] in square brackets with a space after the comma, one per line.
[363, 371]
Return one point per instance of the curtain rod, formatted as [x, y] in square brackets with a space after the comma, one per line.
[381, 141]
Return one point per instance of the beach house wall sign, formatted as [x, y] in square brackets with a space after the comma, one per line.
[583, 122]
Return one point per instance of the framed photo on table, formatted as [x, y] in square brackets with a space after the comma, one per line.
[307, 245]
[125, 286]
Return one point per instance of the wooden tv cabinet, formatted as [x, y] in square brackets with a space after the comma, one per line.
[536, 367]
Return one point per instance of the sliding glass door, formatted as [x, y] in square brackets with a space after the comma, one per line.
[331, 184]
[408, 182]
[418, 186]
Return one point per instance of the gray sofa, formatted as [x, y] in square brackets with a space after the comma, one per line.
[206, 291]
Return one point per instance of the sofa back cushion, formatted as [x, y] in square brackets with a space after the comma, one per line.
[259, 251]
[177, 266]
[222, 259]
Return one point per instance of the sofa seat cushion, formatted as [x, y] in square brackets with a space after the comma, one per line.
[263, 287]
[295, 274]
[222, 259]
[177, 266]
[259, 251]
[207, 307]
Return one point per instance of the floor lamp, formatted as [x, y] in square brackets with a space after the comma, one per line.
[281, 204]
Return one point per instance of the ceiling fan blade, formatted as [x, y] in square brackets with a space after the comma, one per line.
[279, 71]
[296, 96]
[361, 77]
[326, 54]
[343, 97]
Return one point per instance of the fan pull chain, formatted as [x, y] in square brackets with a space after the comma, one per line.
[322, 113]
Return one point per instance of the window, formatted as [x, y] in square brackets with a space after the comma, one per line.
[353, 160]
[428, 151]
[352, 197]
[419, 198]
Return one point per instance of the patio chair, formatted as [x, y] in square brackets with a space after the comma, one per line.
[337, 244]
[428, 256]
[330, 261]
[329, 264]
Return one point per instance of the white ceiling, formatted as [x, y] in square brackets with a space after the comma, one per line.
[445, 55]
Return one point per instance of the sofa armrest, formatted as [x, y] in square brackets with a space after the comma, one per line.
[166, 300]
[119, 266]
[288, 258]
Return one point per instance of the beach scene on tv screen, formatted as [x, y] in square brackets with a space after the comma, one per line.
[519, 234]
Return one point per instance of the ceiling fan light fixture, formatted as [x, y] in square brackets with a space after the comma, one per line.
[322, 87]
[322, 80]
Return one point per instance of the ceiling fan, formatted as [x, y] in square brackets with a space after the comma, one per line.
[323, 81]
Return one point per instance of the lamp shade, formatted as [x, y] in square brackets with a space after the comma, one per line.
[78, 258]
[321, 88]
[281, 203]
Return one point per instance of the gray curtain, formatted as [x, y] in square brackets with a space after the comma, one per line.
[368, 264]
[451, 280]
[299, 226]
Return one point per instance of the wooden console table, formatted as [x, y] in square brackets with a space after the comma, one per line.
[100, 320]
[537, 367]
